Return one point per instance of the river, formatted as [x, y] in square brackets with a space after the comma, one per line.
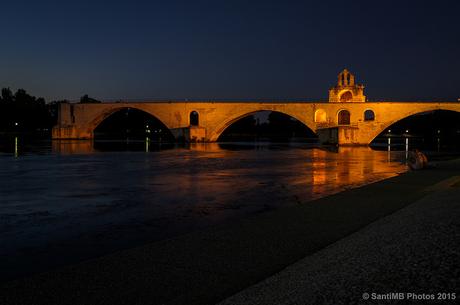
[65, 201]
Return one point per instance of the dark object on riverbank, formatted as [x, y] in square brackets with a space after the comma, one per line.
[417, 160]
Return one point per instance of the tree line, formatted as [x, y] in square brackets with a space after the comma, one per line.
[22, 112]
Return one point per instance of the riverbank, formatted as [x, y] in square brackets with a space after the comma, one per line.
[413, 252]
[208, 266]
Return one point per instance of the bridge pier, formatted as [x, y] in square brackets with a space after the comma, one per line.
[342, 136]
[67, 132]
[190, 134]
[67, 127]
[328, 135]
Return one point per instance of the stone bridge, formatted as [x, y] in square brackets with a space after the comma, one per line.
[346, 119]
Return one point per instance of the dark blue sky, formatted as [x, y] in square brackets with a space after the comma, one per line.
[403, 50]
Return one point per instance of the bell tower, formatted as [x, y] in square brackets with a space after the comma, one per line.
[346, 90]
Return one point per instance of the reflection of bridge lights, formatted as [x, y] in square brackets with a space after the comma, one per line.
[147, 144]
[16, 154]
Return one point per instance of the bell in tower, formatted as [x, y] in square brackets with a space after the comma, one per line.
[346, 90]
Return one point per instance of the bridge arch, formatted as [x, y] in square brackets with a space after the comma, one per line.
[106, 113]
[219, 130]
[407, 114]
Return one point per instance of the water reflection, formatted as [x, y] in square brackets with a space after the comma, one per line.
[347, 167]
[147, 144]
[19, 146]
[98, 197]
[68, 147]
[16, 150]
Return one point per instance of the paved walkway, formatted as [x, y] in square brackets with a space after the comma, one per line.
[207, 267]
[415, 251]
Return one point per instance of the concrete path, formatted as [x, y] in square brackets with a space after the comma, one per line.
[207, 267]
[415, 251]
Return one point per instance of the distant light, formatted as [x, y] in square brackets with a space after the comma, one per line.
[389, 130]
[16, 124]
[439, 131]
[407, 130]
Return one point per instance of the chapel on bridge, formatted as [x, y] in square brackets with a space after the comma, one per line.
[346, 90]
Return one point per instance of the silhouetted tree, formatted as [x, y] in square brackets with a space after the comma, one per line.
[23, 112]
[7, 95]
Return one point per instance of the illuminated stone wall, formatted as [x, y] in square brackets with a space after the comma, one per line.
[78, 121]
